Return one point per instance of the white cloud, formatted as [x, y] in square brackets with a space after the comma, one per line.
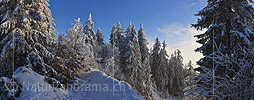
[176, 33]
[192, 3]
[181, 37]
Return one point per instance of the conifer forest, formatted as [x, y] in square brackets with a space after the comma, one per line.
[37, 62]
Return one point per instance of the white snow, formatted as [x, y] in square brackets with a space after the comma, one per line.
[94, 85]
[34, 86]
[156, 96]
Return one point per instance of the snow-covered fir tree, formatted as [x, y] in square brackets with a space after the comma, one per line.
[112, 49]
[131, 64]
[88, 30]
[99, 47]
[111, 68]
[111, 65]
[77, 54]
[143, 43]
[229, 25]
[26, 29]
[145, 56]
[226, 87]
[162, 68]
[131, 56]
[159, 63]
[154, 61]
[26, 38]
[113, 41]
[99, 38]
[128, 30]
[113, 35]
[172, 73]
[120, 45]
[59, 62]
[177, 75]
[119, 37]
[228, 22]
[189, 73]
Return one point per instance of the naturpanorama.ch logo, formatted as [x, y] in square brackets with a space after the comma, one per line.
[37, 87]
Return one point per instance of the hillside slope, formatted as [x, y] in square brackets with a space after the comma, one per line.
[91, 86]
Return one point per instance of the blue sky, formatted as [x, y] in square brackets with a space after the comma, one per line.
[168, 19]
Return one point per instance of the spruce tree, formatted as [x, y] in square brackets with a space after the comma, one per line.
[74, 43]
[119, 37]
[128, 30]
[177, 74]
[27, 31]
[77, 54]
[189, 79]
[131, 56]
[131, 64]
[99, 47]
[88, 30]
[189, 72]
[229, 26]
[113, 46]
[207, 85]
[99, 36]
[163, 76]
[155, 62]
[120, 45]
[113, 35]
[145, 56]
[154, 56]
[143, 43]
[159, 63]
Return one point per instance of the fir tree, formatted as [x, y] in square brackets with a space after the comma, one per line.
[177, 74]
[74, 42]
[119, 37]
[128, 30]
[143, 43]
[88, 30]
[146, 74]
[155, 63]
[26, 40]
[189, 72]
[162, 68]
[154, 56]
[110, 67]
[131, 64]
[229, 25]
[131, 55]
[120, 45]
[110, 54]
[25, 29]
[100, 40]
[159, 63]
[77, 53]
[226, 87]
[113, 35]
[99, 47]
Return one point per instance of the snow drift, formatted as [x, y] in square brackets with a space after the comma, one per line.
[94, 85]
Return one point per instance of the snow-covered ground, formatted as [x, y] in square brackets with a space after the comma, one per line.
[94, 85]
[157, 96]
